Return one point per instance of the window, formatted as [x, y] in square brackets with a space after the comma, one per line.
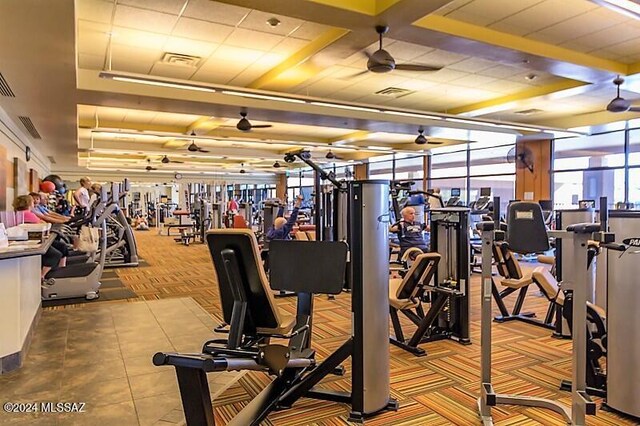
[449, 164]
[634, 188]
[588, 167]
[446, 184]
[605, 150]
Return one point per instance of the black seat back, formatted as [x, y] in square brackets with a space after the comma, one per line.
[526, 232]
[420, 274]
[241, 245]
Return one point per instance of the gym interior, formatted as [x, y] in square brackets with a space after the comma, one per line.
[319, 212]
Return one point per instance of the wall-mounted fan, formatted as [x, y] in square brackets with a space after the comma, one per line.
[522, 158]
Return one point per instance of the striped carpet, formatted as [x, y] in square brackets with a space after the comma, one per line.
[439, 389]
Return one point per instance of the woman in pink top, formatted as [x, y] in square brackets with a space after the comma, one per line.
[24, 204]
[56, 255]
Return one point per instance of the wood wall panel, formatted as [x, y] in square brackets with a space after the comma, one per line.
[539, 181]
[361, 171]
[281, 186]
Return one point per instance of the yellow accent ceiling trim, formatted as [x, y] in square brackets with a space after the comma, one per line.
[299, 57]
[351, 137]
[522, 44]
[367, 7]
[633, 68]
[494, 105]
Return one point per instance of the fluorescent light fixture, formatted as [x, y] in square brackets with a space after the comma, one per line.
[342, 106]
[381, 148]
[150, 81]
[625, 7]
[463, 121]
[412, 114]
[526, 129]
[265, 97]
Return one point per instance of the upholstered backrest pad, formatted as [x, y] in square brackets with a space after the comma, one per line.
[261, 307]
[416, 274]
[307, 266]
[526, 232]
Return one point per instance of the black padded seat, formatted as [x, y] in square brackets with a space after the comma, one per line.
[73, 271]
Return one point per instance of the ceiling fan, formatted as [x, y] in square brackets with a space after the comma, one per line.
[149, 166]
[381, 61]
[244, 125]
[332, 156]
[619, 104]
[422, 140]
[522, 157]
[193, 147]
[167, 160]
[242, 170]
[277, 164]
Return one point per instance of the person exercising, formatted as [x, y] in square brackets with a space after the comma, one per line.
[282, 227]
[409, 231]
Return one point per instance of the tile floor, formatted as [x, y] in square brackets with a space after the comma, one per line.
[101, 355]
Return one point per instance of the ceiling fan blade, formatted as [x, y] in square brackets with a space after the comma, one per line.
[358, 74]
[434, 143]
[635, 109]
[177, 162]
[366, 54]
[416, 67]
[202, 150]
[261, 126]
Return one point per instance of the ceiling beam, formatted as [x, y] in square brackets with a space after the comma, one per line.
[302, 55]
[492, 37]
[502, 103]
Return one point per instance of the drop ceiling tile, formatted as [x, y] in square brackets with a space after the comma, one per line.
[545, 14]
[573, 28]
[252, 39]
[472, 65]
[202, 30]
[257, 20]
[92, 37]
[505, 86]
[212, 11]
[289, 46]
[470, 18]
[173, 71]
[607, 37]
[90, 62]
[310, 31]
[139, 116]
[145, 20]
[135, 38]
[501, 71]
[626, 48]
[166, 6]
[440, 58]
[111, 114]
[451, 6]
[473, 80]
[95, 10]
[415, 84]
[494, 10]
[186, 46]
[404, 52]
[229, 56]
[133, 59]
[443, 76]
[509, 28]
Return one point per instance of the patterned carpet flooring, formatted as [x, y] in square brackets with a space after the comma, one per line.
[439, 389]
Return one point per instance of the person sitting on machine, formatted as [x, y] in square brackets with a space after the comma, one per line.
[42, 211]
[56, 255]
[282, 227]
[410, 232]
